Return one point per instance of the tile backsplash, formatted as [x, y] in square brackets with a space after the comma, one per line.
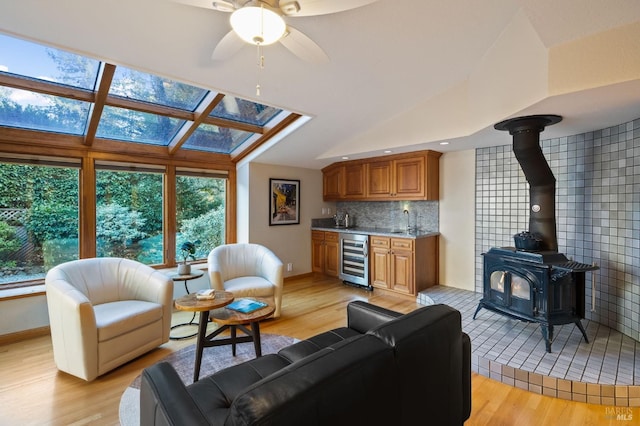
[390, 214]
[597, 213]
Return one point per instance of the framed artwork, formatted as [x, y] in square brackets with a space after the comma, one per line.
[284, 204]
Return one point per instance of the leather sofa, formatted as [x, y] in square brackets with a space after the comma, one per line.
[383, 368]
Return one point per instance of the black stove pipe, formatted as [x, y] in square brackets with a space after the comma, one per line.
[542, 184]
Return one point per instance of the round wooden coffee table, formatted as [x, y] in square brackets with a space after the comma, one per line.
[231, 320]
[192, 304]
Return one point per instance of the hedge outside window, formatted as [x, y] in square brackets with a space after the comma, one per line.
[201, 212]
[129, 220]
[38, 219]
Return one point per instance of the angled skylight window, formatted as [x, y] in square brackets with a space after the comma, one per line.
[136, 126]
[37, 111]
[50, 90]
[211, 138]
[145, 87]
[39, 62]
[244, 111]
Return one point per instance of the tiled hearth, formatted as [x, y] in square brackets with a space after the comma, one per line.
[604, 371]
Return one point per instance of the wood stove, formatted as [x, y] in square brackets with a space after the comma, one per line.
[542, 287]
[534, 282]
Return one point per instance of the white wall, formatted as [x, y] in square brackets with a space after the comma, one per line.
[457, 219]
[291, 243]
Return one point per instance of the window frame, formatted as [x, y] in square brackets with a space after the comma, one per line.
[88, 160]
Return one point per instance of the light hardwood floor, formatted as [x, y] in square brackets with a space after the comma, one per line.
[32, 391]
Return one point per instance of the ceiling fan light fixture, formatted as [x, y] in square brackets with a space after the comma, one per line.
[258, 25]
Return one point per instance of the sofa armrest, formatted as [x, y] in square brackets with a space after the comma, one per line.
[363, 316]
[164, 399]
[466, 376]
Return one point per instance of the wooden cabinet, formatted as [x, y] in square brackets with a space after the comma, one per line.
[344, 181]
[354, 181]
[397, 179]
[403, 265]
[411, 176]
[333, 183]
[325, 252]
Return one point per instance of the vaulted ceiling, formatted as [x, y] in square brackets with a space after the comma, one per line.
[403, 74]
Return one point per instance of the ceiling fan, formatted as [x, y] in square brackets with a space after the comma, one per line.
[261, 22]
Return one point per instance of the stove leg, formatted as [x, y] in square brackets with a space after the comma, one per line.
[547, 334]
[477, 309]
[581, 328]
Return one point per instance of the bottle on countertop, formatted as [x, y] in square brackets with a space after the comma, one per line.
[346, 220]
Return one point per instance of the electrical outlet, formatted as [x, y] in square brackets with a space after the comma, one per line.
[289, 267]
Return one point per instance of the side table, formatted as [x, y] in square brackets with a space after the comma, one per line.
[191, 303]
[186, 278]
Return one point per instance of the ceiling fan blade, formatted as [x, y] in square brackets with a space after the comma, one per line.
[227, 47]
[323, 7]
[197, 3]
[303, 47]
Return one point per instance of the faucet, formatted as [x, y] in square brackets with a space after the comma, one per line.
[408, 227]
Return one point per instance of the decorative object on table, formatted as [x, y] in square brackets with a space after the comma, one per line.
[206, 294]
[285, 202]
[188, 251]
[246, 305]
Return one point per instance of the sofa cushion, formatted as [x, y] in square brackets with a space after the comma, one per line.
[324, 388]
[116, 318]
[215, 393]
[312, 345]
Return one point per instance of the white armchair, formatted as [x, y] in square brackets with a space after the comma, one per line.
[247, 270]
[104, 312]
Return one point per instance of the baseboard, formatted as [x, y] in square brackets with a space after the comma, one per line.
[19, 336]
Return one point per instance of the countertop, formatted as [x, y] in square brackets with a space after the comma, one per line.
[384, 232]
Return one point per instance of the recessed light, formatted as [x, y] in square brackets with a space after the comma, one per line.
[387, 151]
[345, 158]
[444, 143]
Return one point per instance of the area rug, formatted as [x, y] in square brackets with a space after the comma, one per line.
[213, 359]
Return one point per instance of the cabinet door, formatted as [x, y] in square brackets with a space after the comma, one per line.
[379, 262]
[333, 182]
[354, 181]
[379, 179]
[409, 178]
[379, 258]
[331, 254]
[317, 251]
[402, 265]
[402, 271]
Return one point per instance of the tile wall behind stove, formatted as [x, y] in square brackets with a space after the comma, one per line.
[597, 213]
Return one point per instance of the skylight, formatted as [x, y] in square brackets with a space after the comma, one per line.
[51, 90]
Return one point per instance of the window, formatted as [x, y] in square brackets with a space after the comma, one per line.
[38, 219]
[201, 212]
[129, 219]
[48, 89]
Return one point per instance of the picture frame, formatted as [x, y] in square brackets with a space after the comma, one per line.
[284, 202]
